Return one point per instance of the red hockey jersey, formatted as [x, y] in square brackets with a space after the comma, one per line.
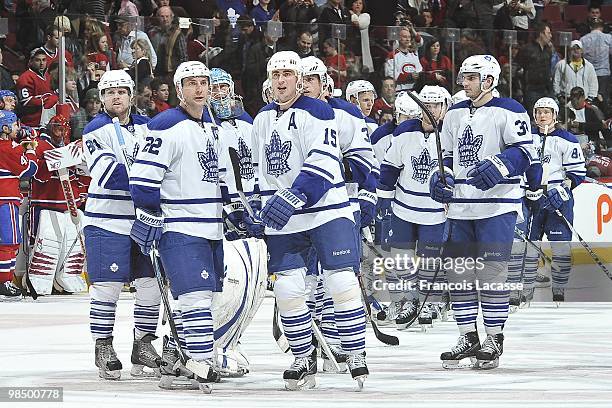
[34, 93]
[14, 163]
[47, 189]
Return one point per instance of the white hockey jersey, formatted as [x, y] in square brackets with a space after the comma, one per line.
[177, 171]
[301, 141]
[109, 205]
[471, 135]
[562, 156]
[381, 140]
[355, 146]
[405, 174]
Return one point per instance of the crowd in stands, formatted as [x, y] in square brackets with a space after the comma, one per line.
[395, 44]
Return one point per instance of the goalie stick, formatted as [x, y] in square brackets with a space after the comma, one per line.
[199, 369]
[26, 246]
[235, 159]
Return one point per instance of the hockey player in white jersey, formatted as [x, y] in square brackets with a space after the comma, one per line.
[178, 186]
[306, 203]
[562, 169]
[363, 94]
[417, 222]
[112, 258]
[486, 146]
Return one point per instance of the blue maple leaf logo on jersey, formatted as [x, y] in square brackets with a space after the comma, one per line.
[469, 146]
[422, 165]
[209, 162]
[246, 161]
[277, 155]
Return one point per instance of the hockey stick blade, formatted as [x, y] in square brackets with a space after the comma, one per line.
[382, 337]
[325, 346]
[279, 336]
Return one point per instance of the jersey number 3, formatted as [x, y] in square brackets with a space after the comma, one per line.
[152, 146]
[522, 127]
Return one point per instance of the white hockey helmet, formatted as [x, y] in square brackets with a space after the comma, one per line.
[330, 85]
[546, 102]
[289, 60]
[405, 105]
[188, 69]
[266, 91]
[314, 66]
[484, 65]
[116, 78]
[434, 94]
[354, 88]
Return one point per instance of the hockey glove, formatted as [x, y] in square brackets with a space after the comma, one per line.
[147, 229]
[488, 173]
[367, 207]
[556, 197]
[233, 219]
[535, 199]
[438, 190]
[254, 226]
[280, 207]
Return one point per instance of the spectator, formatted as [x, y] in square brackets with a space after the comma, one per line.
[598, 50]
[143, 100]
[333, 12]
[90, 80]
[437, 67]
[255, 70]
[535, 59]
[335, 63]
[298, 16]
[262, 13]
[141, 70]
[403, 64]
[584, 118]
[91, 106]
[36, 97]
[128, 8]
[160, 92]
[303, 45]
[237, 5]
[99, 52]
[73, 44]
[577, 73]
[125, 35]
[169, 41]
[88, 28]
[515, 15]
[198, 8]
[386, 98]
[6, 79]
[34, 19]
[51, 47]
[469, 44]
[72, 94]
[469, 14]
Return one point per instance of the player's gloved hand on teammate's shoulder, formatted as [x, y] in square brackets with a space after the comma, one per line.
[281, 206]
[233, 218]
[367, 207]
[488, 172]
[439, 190]
[556, 197]
[147, 229]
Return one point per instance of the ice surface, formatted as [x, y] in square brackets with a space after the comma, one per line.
[552, 357]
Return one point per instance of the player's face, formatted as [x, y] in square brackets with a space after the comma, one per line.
[195, 91]
[9, 103]
[544, 116]
[471, 85]
[366, 102]
[58, 133]
[117, 101]
[312, 86]
[284, 85]
[436, 111]
[219, 91]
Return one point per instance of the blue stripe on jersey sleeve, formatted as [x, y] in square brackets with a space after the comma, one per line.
[101, 156]
[388, 177]
[118, 180]
[410, 125]
[145, 180]
[151, 163]
[319, 169]
[167, 119]
[101, 119]
[516, 160]
[382, 131]
[323, 153]
[418, 209]
[315, 107]
[359, 170]
[312, 186]
[145, 197]
[507, 104]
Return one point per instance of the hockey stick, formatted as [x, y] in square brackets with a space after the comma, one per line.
[599, 183]
[71, 204]
[586, 246]
[546, 258]
[26, 246]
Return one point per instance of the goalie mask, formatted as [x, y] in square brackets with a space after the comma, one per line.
[58, 130]
[223, 100]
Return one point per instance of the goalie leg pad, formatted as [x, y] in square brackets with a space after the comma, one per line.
[69, 275]
[46, 254]
[103, 303]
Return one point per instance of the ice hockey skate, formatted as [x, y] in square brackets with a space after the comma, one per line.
[340, 358]
[359, 369]
[144, 355]
[542, 281]
[174, 375]
[9, 292]
[407, 315]
[389, 314]
[558, 295]
[515, 301]
[106, 359]
[301, 373]
[526, 297]
[492, 348]
[467, 346]
[426, 317]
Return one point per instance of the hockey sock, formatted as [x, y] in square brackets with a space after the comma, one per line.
[178, 323]
[344, 289]
[146, 306]
[425, 282]
[8, 258]
[197, 323]
[328, 321]
[562, 257]
[104, 296]
[296, 319]
[494, 309]
[531, 267]
[465, 308]
[516, 262]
